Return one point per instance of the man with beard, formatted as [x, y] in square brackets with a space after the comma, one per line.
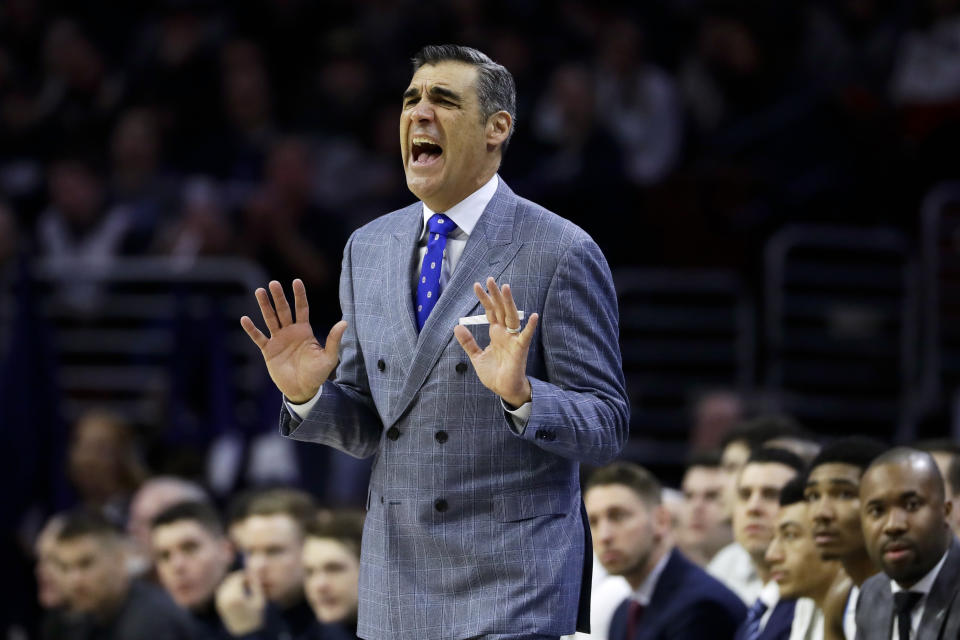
[672, 597]
[905, 524]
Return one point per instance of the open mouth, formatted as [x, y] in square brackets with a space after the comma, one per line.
[424, 151]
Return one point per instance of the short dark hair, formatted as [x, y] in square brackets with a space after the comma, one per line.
[496, 89]
[792, 492]
[856, 451]
[200, 512]
[758, 430]
[343, 525]
[710, 459]
[902, 455]
[85, 522]
[773, 455]
[643, 483]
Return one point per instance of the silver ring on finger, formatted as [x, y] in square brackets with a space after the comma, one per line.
[512, 331]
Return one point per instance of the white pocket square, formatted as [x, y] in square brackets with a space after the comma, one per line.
[482, 319]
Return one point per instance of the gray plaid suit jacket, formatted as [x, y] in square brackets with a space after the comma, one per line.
[471, 528]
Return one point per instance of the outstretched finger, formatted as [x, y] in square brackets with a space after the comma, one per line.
[332, 344]
[465, 338]
[526, 336]
[255, 334]
[511, 317]
[486, 302]
[280, 302]
[497, 298]
[266, 309]
[300, 301]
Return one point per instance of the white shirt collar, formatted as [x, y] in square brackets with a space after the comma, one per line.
[644, 592]
[770, 594]
[925, 583]
[467, 212]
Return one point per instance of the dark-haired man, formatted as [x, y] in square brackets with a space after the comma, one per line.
[754, 523]
[474, 523]
[192, 555]
[833, 495]
[672, 597]
[797, 567]
[91, 556]
[904, 513]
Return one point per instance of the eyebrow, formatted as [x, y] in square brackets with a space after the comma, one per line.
[433, 91]
[832, 481]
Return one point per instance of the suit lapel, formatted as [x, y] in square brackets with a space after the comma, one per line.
[489, 249]
[936, 610]
[402, 255]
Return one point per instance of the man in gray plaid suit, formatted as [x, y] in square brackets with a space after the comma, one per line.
[474, 519]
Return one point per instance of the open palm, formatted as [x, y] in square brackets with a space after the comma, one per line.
[296, 362]
[502, 366]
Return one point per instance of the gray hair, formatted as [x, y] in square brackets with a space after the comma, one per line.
[496, 89]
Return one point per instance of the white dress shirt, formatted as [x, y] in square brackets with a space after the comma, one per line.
[922, 586]
[770, 596]
[807, 621]
[850, 614]
[733, 567]
[465, 215]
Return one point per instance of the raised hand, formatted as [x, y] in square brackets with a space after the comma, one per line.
[296, 362]
[502, 366]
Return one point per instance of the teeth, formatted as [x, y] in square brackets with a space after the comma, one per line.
[418, 140]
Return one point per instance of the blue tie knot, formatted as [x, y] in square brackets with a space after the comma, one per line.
[440, 223]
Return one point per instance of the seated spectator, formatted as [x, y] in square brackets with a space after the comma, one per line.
[104, 464]
[946, 453]
[153, 497]
[833, 496]
[331, 563]
[754, 523]
[266, 598]
[90, 554]
[50, 594]
[797, 567]
[192, 556]
[952, 485]
[672, 597]
[904, 515]
[704, 523]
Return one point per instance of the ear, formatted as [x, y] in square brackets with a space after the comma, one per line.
[662, 520]
[498, 128]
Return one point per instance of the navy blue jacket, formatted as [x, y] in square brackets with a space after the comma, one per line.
[687, 604]
[778, 625]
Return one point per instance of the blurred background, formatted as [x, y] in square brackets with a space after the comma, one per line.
[771, 182]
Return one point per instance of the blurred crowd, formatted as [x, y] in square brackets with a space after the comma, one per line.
[773, 534]
[269, 129]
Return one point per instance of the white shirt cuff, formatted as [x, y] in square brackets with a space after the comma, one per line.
[519, 416]
[303, 410]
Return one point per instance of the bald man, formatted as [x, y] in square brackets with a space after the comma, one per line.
[904, 514]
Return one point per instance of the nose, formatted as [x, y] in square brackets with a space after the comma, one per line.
[821, 511]
[774, 554]
[602, 531]
[896, 522]
[422, 112]
[755, 503]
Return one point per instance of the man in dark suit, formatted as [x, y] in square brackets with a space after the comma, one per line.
[108, 605]
[904, 515]
[673, 598]
[479, 401]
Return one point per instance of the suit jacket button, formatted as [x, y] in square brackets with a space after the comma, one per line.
[393, 433]
[381, 365]
[540, 434]
[441, 436]
[441, 505]
[461, 367]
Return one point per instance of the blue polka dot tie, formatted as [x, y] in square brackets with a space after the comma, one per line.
[439, 226]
